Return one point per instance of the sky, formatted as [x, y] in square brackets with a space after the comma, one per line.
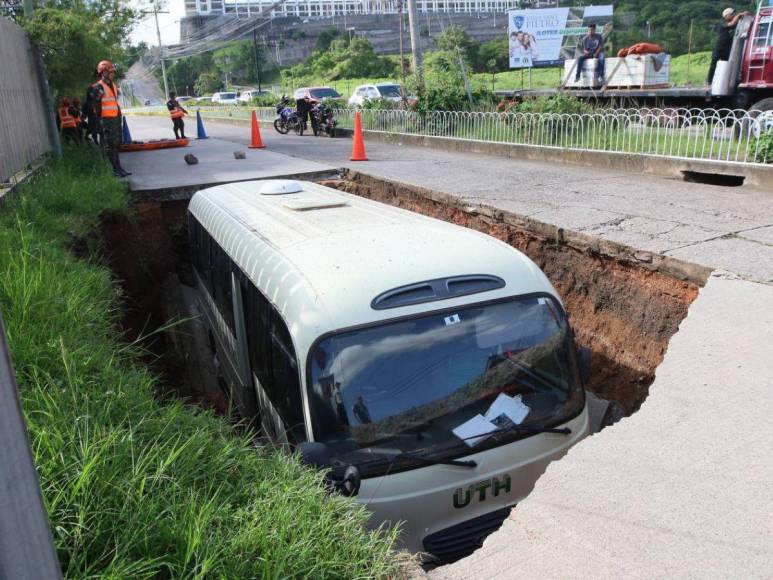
[145, 30]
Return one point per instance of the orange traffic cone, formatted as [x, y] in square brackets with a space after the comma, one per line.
[257, 142]
[358, 144]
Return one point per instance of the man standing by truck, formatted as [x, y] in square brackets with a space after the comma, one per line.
[725, 34]
[592, 46]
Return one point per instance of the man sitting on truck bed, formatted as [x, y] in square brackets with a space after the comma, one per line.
[592, 47]
[725, 33]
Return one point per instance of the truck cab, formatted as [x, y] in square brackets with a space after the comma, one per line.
[757, 69]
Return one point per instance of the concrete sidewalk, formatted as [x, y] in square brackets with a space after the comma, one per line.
[720, 227]
[680, 489]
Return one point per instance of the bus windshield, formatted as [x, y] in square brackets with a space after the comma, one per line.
[436, 382]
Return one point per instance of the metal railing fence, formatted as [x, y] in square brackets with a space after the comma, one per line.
[726, 135]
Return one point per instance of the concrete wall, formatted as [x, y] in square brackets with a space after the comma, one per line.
[24, 118]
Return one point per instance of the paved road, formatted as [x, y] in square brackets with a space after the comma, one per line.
[720, 227]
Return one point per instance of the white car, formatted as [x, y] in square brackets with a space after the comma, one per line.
[224, 98]
[386, 91]
[249, 94]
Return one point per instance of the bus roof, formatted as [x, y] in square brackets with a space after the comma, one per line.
[321, 256]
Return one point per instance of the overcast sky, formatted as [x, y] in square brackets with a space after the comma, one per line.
[145, 30]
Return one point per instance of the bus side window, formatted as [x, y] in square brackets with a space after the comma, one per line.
[199, 240]
[272, 358]
[287, 388]
[221, 283]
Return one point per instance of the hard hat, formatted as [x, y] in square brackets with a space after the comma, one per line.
[728, 12]
[105, 65]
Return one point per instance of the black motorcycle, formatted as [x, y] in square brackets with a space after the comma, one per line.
[287, 120]
[323, 120]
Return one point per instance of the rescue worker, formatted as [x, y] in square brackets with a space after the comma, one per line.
[105, 95]
[67, 122]
[724, 43]
[89, 115]
[177, 113]
[77, 109]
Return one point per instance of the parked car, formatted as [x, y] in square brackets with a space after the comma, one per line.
[183, 99]
[247, 95]
[224, 98]
[386, 91]
[316, 93]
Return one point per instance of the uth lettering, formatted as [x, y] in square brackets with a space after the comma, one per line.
[497, 485]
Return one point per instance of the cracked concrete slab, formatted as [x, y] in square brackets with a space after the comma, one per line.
[761, 235]
[749, 259]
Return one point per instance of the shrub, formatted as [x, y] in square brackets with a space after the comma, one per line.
[763, 148]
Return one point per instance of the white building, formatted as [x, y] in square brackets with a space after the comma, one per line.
[328, 8]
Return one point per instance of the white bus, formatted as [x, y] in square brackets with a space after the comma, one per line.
[430, 368]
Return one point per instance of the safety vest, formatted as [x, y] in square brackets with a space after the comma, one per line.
[66, 120]
[109, 101]
[176, 113]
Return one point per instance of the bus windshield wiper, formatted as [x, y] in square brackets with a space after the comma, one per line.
[519, 429]
[415, 455]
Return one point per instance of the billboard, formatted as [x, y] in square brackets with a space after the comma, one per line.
[549, 36]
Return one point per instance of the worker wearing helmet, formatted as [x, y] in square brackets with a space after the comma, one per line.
[68, 122]
[725, 34]
[106, 108]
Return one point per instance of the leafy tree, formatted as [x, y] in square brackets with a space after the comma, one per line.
[208, 82]
[455, 37]
[325, 38]
[497, 50]
[74, 35]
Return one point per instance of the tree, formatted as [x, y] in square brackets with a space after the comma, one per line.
[74, 35]
[208, 82]
[325, 38]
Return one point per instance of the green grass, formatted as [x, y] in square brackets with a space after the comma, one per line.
[135, 488]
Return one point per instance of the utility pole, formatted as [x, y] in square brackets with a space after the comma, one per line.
[402, 62]
[160, 50]
[257, 55]
[413, 22]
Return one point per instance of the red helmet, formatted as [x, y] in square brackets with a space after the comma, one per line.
[105, 65]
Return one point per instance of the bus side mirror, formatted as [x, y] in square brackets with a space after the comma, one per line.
[584, 361]
[314, 454]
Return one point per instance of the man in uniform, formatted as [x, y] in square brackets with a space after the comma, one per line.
[725, 34]
[105, 100]
[177, 113]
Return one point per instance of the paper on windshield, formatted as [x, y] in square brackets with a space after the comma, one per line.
[478, 425]
[507, 411]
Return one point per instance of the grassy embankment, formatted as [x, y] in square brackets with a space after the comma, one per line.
[541, 78]
[136, 488]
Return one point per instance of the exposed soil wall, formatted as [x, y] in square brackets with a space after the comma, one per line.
[625, 305]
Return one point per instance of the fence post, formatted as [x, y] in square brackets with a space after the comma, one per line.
[26, 549]
[45, 95]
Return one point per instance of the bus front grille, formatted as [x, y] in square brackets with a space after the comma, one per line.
[463, 539]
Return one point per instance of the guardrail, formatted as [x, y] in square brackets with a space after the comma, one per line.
[708, 134]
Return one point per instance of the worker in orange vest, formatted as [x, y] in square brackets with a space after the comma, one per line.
[68, 123]
[105, 98]
[177, 113]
